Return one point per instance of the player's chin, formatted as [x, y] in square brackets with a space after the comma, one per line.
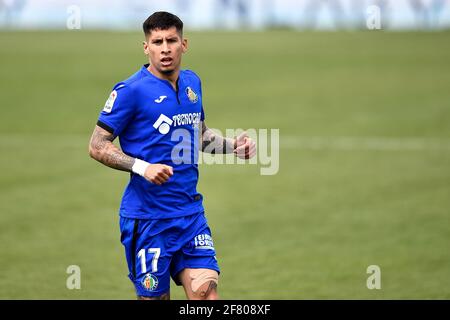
[167, 70]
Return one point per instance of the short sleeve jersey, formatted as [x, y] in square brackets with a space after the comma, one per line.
[158, 124]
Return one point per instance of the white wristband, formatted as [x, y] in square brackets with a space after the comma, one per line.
[139, 166]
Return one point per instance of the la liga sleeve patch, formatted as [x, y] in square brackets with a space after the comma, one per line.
[110, 102]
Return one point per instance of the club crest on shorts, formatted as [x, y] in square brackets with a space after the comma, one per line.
[150, 282]
[193, 97]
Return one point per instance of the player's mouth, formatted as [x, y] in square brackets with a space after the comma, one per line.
[166, 61]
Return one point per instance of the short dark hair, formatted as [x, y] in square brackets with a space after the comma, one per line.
[162, 20]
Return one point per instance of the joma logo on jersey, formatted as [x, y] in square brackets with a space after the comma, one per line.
[164, 123]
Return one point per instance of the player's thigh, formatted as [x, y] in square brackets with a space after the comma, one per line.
[200, 283]
[148, 259]
[200, 270]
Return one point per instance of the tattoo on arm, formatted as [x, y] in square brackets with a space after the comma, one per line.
[102, 149]
[213, 143]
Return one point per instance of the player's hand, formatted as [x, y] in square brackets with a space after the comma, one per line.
[158, 173]
[245, 146]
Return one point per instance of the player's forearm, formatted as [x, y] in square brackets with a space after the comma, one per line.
[102, 149]
[214, 143]
[113, 157]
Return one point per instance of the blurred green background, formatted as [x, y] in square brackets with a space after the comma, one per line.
[364, 177]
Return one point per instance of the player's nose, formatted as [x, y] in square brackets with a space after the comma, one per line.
[165, 47]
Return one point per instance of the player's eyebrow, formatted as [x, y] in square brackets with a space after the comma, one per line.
[169, 38]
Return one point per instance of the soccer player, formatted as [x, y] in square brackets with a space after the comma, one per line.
[157, 113]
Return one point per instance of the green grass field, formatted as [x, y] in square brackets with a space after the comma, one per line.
[364, 177]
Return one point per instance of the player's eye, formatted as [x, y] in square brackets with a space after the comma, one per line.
[157, 42]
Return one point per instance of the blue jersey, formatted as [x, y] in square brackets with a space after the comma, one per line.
[158, 124]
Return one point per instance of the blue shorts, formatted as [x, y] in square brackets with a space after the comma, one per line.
[159, 249]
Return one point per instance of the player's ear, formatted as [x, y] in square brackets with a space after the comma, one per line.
[184, 44]
[145, 45]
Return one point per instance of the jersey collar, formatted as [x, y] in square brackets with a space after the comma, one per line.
[167, 82]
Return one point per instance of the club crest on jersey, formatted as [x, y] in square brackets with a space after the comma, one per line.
[150, 282]
[110, 102]
[193, 97]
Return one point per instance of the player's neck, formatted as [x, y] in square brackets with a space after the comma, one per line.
[172, 77]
